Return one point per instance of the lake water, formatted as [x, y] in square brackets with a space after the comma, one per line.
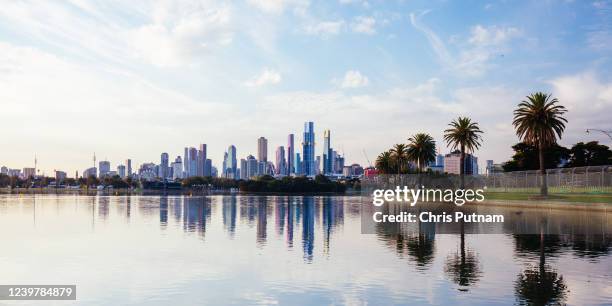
[158, 250]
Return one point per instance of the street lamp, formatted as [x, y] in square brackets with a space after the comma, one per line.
[608, 133]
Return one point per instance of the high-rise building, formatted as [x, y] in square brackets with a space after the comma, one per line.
[90, 172]
[128, 166]
[298, 164]
[29, 172]
[251, 167]
[121, 171]
[281, 163]
[308, 149]
[177, 168]
[440, 160]
[290, 155]
[262, 149]
[452, 163]
[318, 164]
[243, 169]
[201, 160]
[164, 166]
[327, 151]
[104, 168]
[208, 167]
[4, 170]
[193, 162]
[231, 163]
[186, 162]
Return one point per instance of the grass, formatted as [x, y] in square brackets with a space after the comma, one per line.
[561, 197]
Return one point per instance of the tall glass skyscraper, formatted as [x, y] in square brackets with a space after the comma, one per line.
[308, 150]
[327, 150]
[290, 155]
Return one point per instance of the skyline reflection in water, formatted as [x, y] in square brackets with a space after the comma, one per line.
[282, 249]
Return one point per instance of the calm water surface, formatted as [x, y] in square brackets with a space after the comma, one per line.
[158, 250]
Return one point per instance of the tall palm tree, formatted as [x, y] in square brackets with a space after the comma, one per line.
[400, 155]
[539, 121]
[421, 149]
[384, 162]
[465, 136]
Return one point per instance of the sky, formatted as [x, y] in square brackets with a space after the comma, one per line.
[133, 79]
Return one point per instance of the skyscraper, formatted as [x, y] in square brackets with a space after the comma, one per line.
[128, 165]
[308, 149]
[121, 171]
[262, 149]
[231, 163]
[327, 152]
[201, 159]
[193, 162]
[243, 169]
[281, 163]
[208, 167]
[251, 167]
[177, 168]
[164, 166]
[104, 167]
[298, 164]
[290, 155]
[186, 162]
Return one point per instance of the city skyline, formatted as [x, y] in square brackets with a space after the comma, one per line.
[135, 80]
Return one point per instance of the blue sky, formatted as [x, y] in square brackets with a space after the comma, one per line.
[134, 79]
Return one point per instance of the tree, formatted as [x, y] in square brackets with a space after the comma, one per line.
[589, 154]
[421, 149]
[400, 156]
[465, 136]
[526, 157]
[384, 162]
[539, 121]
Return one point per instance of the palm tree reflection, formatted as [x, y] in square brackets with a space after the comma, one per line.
[462, 267]
[540, 285]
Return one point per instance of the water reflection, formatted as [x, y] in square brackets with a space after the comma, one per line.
[462, 266]
[312, 246]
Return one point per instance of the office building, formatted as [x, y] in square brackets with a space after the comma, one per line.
[164, 166]
[281, 162]
[208, 167]
[308, 149]
[243, 169]
[90, 172]
[298, 164]
[262, 149]
[104, 168]
[177, 168]
[29, 172]
[251, 167]
[121, 171]
[230, 163]
[60, 176]
[452, 163]
[201, 160]
[290, 155]
[128, 166]
[327, 152]
[4, 170]
[193, 162]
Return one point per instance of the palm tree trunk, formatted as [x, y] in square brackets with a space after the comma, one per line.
[462, 167]
[544, 184]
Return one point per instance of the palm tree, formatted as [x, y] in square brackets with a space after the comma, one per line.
[400, 155]
[463, 135]
[421, 149]
[538, 121]
[384, 162]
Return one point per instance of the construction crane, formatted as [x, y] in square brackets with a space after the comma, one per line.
[366, 157]
[608, 133]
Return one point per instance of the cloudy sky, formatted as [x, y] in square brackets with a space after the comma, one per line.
[132, 79]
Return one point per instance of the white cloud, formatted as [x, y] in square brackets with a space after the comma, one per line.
[269, 6]
[179, 33]
[473, 58]
[279, 6]
[324, 28]
[365, 25]
[352, 79]
[484, 36]
[266, 77]
[588, 100]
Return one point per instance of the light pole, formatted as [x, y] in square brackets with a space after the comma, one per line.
[607, 133]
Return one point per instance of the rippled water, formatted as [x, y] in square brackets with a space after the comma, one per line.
[158, 250]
